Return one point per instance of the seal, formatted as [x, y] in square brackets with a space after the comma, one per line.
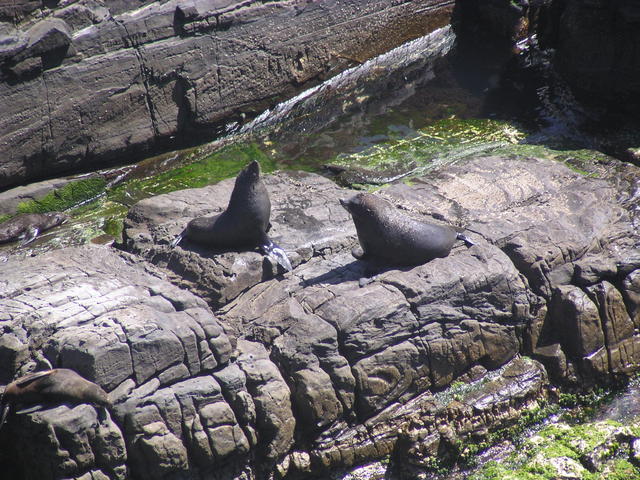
[388, 235]
[27, 226]
[59, 385]
[245, 222]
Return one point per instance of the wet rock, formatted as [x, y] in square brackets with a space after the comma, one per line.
[441, 430]
[136, 77]
[596, 51]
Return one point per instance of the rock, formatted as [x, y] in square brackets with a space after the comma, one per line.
[271, 397]
[44, 37]
[596, 51]
[623, 342]
[339, 362]
[631, 294]
[305, 222]
[10, 199]
[578, 322]
[442, 429]
[71, 441]
[93, 82]
[96, 311]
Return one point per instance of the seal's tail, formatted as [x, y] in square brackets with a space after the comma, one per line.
[465, 239]
[178, 238]
[277, 253]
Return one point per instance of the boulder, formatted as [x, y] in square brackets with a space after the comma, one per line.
[307, 220]
[148, 343]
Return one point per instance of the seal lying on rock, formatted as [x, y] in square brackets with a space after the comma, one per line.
[387, 234]
[27, 226]
[245, 222]
[59, 385]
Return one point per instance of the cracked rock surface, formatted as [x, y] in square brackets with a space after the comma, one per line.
[246, 371]
[87, 82]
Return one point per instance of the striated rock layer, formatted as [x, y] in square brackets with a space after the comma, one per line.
[83, 83]
[302, 373]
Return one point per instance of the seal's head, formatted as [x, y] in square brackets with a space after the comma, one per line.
[250, 173]
[362, 204]
[93, 393]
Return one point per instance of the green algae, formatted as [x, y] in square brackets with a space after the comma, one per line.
[564, 446]
[209, 169]
[445, 141]
[67, 197]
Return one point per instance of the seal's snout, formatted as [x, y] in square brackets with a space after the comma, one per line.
[344, 203]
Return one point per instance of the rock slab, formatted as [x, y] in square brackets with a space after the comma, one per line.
[84, 83]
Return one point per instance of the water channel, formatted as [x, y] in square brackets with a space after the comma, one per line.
[396, 116]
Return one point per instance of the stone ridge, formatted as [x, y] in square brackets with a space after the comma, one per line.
[87, 82]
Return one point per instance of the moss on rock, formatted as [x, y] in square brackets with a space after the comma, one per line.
[69, 196]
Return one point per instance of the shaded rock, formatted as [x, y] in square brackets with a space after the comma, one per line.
[83, 14]
[631, 293]
[71, 442]
[596, 50]
[623, 342]
[46, 36]
[271, 397]
[578, 322]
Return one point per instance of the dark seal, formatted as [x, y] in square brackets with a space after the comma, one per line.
[27, 226]
[388, 235]
[56, 386]
[245, 222]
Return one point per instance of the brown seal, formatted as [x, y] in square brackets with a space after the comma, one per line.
[245, 222]
[387, 234]
[56, 386]
[27, 226]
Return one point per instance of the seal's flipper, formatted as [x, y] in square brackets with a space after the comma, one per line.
[27, 379]
[30, 235]
[465, 239]
[5, 411]
[178, 238]
[33, 408]
[275, 252]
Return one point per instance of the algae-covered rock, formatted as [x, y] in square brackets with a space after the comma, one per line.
[590, 451]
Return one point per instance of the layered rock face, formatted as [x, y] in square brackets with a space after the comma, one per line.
[308, 371]
[85, 82]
